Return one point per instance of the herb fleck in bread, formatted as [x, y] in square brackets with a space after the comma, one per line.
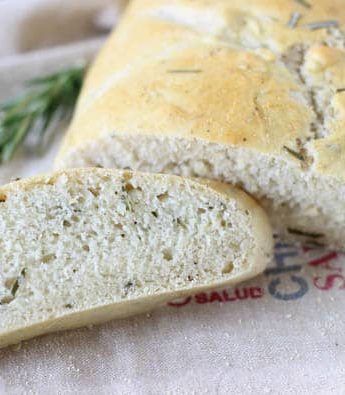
[250, 92]
[88, 245]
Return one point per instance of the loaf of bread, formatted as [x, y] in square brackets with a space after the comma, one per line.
[87, 245]
[249, 92]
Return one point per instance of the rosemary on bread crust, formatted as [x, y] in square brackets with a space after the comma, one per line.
[321, 25]
[294, 19]
[295, 154]
[304, 3]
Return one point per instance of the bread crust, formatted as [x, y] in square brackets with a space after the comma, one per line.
[236, 89]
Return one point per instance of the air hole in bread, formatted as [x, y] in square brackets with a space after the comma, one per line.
[81, 199]
[9, 282]
[6, 299]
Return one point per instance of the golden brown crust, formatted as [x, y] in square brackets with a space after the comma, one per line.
[222, 71]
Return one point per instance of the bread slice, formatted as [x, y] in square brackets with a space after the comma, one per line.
[252, 94]
[88, 245]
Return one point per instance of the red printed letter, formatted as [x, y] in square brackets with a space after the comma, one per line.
[215, 297]
[330, 282]
[256, 292]
[201, 298]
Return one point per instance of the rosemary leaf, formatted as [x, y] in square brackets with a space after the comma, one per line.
[33, 112]
[295, 17]
[295, 154]
[305, 234]
[321, 25]
[15, 287]
[15, 138]
[304, 3]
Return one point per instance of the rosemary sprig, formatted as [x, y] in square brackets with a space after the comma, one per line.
[32, 113]
[298, 232]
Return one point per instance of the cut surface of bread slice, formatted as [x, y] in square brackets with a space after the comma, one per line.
[227, 90]
[87, 245]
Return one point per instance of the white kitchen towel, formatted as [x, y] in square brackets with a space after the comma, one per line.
[281, 333]
[27, 25]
